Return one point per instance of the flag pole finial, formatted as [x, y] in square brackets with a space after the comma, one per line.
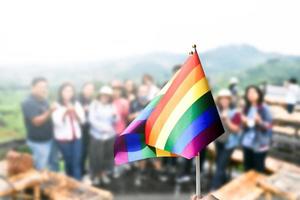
[194, 47]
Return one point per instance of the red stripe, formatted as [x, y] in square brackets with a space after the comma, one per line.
[192, 62]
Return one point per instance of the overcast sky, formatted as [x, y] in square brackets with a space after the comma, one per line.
[71, 31]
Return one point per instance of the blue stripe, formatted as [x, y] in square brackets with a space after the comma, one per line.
[134, 146]
[195, 128]
[148, 109]
[145, 113]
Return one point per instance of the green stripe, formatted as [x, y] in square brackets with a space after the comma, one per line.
[147, 151]
[195, 110]
[154, 101]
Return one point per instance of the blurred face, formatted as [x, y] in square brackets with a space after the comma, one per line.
[88, 90]
[147, 80]
[104, 98]
[142, 94]
[117, 92]
[129, 86]
[224, 102]
[67, 93]
[252, 95]
[241, 104]
[40, 90]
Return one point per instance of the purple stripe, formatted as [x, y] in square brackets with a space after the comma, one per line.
[138, 122]
[121, 158]
[203, 139]
[120, 151]
[198, 125]
[134, 126]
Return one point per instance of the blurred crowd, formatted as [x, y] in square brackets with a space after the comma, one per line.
[81, 128]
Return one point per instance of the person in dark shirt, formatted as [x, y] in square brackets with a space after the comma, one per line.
[37, 117]
[137, 105]
[135, 108]
[85, 98]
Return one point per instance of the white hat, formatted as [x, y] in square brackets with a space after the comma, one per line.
[224, 93]
[106, 90]
[233, 80]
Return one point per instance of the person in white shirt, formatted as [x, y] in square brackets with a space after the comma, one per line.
[292, 95]
[102, 118]
[67, 118]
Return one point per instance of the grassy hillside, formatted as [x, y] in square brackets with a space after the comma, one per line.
[234, 57]
[11, 119]
[274, 71]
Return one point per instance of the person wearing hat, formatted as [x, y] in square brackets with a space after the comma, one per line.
[225, 144]
[102, 117]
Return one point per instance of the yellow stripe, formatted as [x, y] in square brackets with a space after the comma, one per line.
[159, 152]
[192, 78]
[199, 89]
[162, 153]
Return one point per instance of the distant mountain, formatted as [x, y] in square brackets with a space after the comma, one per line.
[219, 63]
[274, 71]
[234, 57]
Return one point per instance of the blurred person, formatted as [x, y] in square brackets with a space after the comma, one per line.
[135, 108]
[37, 117]
[85, 98]
[102, 118]
[121, 105]
[130, 90]
[137, 105]
[292, 95]
[226, 143]
[67, 119]
[263, 86]
[257, 130]
[152, 88]
[176, 68]
[118, 84]
[185, 167]
[169, 166]
[233, 87]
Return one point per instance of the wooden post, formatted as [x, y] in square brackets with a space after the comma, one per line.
[36, 192]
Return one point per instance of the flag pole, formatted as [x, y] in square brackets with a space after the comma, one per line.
[198, 176]
[198, 181]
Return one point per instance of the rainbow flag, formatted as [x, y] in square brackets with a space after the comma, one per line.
[130, 145]
[180, 121]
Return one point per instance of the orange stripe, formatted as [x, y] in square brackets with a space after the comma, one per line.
[189, 81]
[192, 62]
